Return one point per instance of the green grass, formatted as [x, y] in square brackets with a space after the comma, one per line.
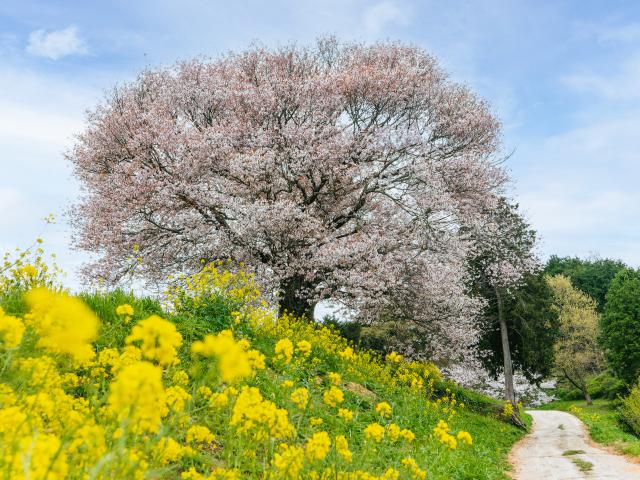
[569, 453]
[583, 465]
[602, 421]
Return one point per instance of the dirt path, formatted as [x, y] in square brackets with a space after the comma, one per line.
[559, 448]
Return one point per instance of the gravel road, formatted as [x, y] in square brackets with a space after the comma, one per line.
[559, 448]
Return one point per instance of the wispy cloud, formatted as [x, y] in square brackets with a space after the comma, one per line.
[621, 83]
[382, 14]
[56, 44]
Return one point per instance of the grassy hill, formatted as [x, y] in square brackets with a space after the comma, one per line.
[212, 384]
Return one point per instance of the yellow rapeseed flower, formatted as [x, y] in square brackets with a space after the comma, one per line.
[159, 339]
[342, 447]
[345, 414]
[315, 421]
[289, 461]
[384, 409]
[199, 434]
[235, 362]
[334, 378]
[300, 396]
[11, 331]
[416, 472]
[374, 431]
[304, 347]
[464, 437]
[260, 418]
[137, 395]
[64, 324]
[284, 350]
[347, 353]
[333, 397]
[318, 446]
[125, 311]
[394, 357]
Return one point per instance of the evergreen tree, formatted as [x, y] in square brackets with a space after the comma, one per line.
[620, 326]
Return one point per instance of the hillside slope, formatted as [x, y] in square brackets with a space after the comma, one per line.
[213, 385]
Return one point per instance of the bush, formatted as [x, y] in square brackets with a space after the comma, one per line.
[603, 385]
[630, 410]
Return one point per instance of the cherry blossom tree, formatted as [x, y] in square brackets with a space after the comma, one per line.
[339, 171]
[502, 256]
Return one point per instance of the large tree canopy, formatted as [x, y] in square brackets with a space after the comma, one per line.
[338, 171]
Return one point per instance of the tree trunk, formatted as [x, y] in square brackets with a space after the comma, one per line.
[580, 385]
[510, 392]
[294, 297]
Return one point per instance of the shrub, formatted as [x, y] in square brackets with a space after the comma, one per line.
[630, 410]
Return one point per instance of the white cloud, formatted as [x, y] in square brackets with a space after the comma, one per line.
[382, 14]
[56, 43]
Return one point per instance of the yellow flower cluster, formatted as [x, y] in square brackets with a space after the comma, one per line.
[414, 469]
[138, 396]
[199, 434]
[284, 350]
[235, 359]
[318, 446]
[300, 396]
[125, 311]
[384, 409]
[159, 340]
[260, 418]
[333, 397]
[394, 357]
[289, 461]
[374, 431]
[11, 331]
[345, 414]
[442, 433]
[63, 323]
[342, 447]
[377, 432]
[303, 347]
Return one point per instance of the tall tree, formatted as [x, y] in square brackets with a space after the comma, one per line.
[620, 326]
[531, 324]
[591, 276]
[577, 352]
[502, 265]
[338, 170]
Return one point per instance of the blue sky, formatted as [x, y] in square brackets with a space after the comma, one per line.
[564, 77]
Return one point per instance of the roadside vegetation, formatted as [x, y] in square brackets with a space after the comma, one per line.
[213, 384]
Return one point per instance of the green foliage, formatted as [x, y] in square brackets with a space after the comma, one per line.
[114, 328]
[593, 277]
[620, 325]
[603, 385]
[630, 410]
[533, 326]
[577, 352]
